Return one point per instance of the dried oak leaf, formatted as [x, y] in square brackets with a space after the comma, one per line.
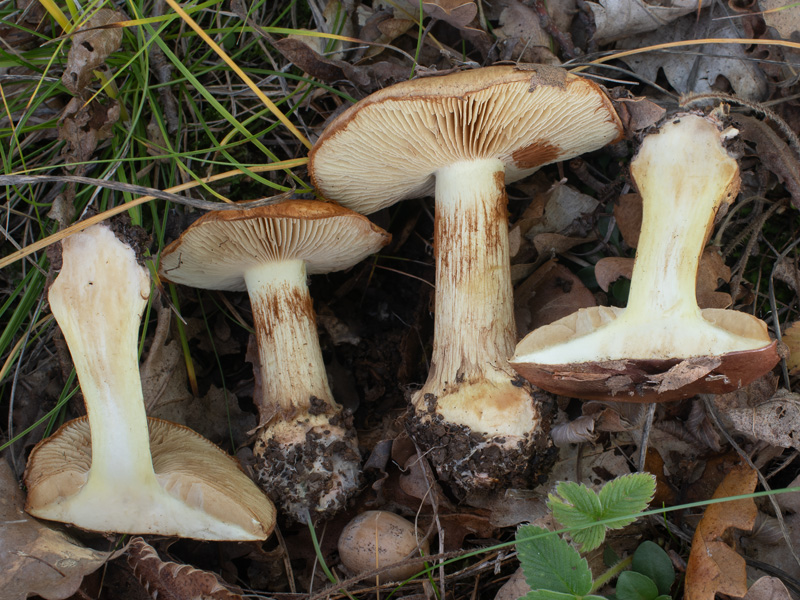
[617, 19]
[689, 72]
[83, 126]
[34, 558]
[172, 580]
[552, 292]
[91, 47]
[459, 13]
[714, 566]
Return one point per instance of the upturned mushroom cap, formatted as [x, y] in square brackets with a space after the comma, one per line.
[661, 346]
[389, 146]
[216, 251]
[201, 484]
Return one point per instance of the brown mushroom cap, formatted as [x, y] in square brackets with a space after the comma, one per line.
[189, 468]
[219, 247]
[378, 538]
[389, 146]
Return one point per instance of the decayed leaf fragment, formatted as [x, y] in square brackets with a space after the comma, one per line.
[36, 559]
[91, 48]
[172, 580]
[714, 566]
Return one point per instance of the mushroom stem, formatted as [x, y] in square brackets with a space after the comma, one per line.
[474, 323]
[684, 174]
[99, 313]
[292, 368]
[474, 328]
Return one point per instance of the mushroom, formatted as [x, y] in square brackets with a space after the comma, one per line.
[308, 452]
[662, 346]
[463, 136]
[117, 470]
[377, 538]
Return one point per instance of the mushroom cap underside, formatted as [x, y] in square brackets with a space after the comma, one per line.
[189, 468]
[645, 378]
[389, 146]
[217, 249]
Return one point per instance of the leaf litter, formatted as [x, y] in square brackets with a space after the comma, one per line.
[574, 231]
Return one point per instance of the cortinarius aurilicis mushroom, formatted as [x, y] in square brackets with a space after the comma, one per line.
[463, 137]
[116, 470]
[309, 461]
[662, 346]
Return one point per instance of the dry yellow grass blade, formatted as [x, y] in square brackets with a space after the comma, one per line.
[242, 75]
[55, 12]
[81, 225]
[746, 42]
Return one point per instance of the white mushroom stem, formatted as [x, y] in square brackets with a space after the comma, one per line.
[98, 300]
[474, 316]
[99, 305]
[292, 368]
[683, 174]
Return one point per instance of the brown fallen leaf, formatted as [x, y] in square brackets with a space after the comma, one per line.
[714, 566]
[91, 47]
[710, 273]
[459, 13]
[36, 559]
[607, 270]
[550, 293]
[83, 126]
[768, 588]
[628, 213]
[172, 580]
[616, 19]
[791, 337]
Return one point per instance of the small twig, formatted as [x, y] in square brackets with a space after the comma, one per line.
[562, 39]
[647, 426]
[141, 190]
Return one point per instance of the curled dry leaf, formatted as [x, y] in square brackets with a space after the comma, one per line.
[516, 587]
[459, 13]
[714, 566]
[775, 421]
[768, 588]
[637, 114]
[607, 270]
[521, 32]
[576, 431]
[83, 126]
[565, 208]
[617, 19]
[550, 293]
[36, 559]
[91, 47]
[628, 214]
[172, 580]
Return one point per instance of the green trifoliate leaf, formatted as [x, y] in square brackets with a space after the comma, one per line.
[550, 563]
[625, 497]
[577, 509]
